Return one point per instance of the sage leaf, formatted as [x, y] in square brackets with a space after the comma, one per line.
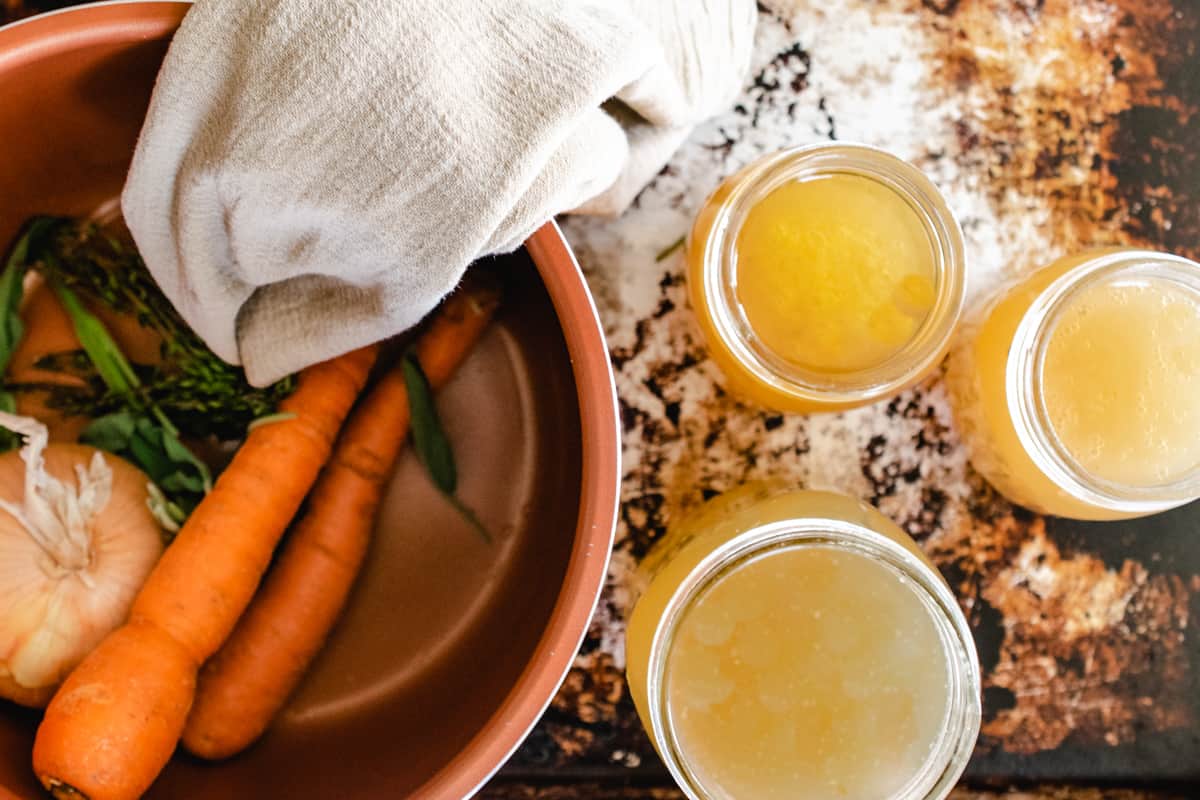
[106, 356]
[141, 433]
[431, 443]
[470, 516]
[429, 439]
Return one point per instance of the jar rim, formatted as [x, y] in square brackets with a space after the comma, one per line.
[922, 351]
[948, 758]
[1024, 382]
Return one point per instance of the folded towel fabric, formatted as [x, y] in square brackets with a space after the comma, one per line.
[315, 175]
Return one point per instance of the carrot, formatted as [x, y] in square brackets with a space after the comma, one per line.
[246, 683]
[115, 721]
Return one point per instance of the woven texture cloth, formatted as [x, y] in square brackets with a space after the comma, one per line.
[313, 176]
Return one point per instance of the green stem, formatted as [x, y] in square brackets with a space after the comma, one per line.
[270, 419]
[110, 362]
[118, 374]
[469, 516]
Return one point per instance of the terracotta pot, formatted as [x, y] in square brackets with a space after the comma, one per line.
[451, 648]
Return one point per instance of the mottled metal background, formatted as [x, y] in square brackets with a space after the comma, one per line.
[1051, 125]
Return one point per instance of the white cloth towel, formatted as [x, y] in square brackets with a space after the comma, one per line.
[315, 175]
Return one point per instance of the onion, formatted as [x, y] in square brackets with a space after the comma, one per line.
[77, 540]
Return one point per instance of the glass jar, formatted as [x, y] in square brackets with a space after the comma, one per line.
[1077, 392]
[799, 644]
[826, 277]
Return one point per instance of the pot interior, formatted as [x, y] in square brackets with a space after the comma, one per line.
[441, 625]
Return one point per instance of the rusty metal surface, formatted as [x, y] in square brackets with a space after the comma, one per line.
[1051, 125]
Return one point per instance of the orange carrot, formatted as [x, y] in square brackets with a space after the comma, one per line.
[115, 721]
[246, 683]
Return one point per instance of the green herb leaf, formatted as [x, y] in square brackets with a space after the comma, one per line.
[140, 404]
[111, 432]
[185, 461]
[104, 353]
[11, 292]
[168, 462]
[12, 289]
[174, 471]
[469, 516]
[145, 450]
[201, 394]
[144, 436]
[430, 440]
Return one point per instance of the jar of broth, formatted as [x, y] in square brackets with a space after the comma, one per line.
[826, 277]
[800, 645]
[1077, 392]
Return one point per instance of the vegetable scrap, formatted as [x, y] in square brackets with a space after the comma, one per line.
[144, 436]
[247, 682]
[129, 404]
[127, 702]
[203, 395]
[109, 618]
